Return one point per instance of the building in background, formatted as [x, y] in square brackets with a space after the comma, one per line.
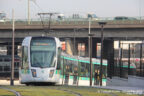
[2, 16]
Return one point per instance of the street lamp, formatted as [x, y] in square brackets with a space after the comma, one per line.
[101, 61]
[13, 51]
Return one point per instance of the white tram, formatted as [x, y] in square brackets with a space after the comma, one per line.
[39, 60]
[42, 62]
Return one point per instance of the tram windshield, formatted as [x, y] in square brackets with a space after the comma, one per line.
[42, 52]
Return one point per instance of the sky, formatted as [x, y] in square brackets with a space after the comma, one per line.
[102, 8]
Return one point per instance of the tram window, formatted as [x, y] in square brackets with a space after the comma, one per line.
[87, 70]
[62, 65]
[59, 58]
[104, 72]
[96, 69]
[69, 66]
[25, 57]
[75, 67]
[83, 69]
[64, 61]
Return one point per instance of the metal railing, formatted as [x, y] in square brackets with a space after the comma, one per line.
[76, 21]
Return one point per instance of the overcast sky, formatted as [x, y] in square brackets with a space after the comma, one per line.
[102, 8]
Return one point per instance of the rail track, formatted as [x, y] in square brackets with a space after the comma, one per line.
[11, 90]
[65, 91]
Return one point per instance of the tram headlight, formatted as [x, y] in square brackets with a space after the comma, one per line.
[51, 73]
[33, 72]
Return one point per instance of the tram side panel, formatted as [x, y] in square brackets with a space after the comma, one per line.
[77, 72]
[25, 73]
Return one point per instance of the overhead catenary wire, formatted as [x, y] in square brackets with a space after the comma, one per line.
[34, 1]
[42, 16]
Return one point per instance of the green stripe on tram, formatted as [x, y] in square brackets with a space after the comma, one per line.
[105, 64]
[83, 61]
[104, 80]
[70, 59]
[58, 72]
[84, 78]
[71, 77]
[126, 66]
[87, 78]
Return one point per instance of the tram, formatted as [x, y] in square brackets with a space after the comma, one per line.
[44, 62]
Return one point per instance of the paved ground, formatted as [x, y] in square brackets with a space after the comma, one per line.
[134, 90]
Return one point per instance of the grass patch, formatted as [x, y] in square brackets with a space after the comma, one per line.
[60, 91]
[39, 91]
[4, 92]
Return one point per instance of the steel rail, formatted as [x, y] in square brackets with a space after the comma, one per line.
[15, 92]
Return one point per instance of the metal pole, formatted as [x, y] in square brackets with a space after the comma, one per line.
[89, 26]
[101, 70]
[12, 63]
[113, 57]
[141, 59]
[28, 11]
[129, 55]
[91, 61]
[121, 65]
[49, 22]
[89, 36]
[120, 58]
[74, 49]
[101, 61]
[90, 51]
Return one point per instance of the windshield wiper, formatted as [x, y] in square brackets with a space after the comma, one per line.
[43, 66]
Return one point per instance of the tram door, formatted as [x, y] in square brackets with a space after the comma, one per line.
[75, 75]
[67, 75]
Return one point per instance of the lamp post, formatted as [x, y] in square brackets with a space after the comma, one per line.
[12, 63]
[101, 61]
